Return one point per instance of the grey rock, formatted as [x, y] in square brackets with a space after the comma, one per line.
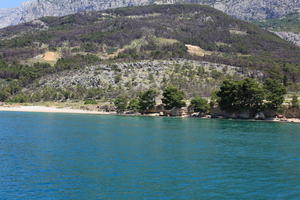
[244, 115]
[260, 116]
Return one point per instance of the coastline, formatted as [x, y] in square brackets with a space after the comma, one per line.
[68, 110]
[46, 109]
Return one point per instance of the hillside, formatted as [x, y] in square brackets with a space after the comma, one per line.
[287, 27]
[288, 23]
[56, 46]
[242, 9]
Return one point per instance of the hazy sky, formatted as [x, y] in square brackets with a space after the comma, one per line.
[10, 3]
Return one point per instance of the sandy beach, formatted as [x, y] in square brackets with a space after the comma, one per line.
[50, 110]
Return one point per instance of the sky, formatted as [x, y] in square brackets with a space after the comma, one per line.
[10, 3]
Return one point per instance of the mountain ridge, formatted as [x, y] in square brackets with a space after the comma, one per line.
[242, 9]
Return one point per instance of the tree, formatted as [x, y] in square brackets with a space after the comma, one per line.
[213, 100]
[173, 97]
[275, 92]
[3, 96]
[121, 104]
[237, 96]
[285, 80]
[134, 105]
[147, 99]
[295, 102]
[199, 104]
[251, 95]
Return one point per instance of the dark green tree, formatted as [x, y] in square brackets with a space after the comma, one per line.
[244, 95]
[173, 97]
[228, 95]
[251, 95]
[275, 92]
[121, 104]
[147, 99]
[199, 104]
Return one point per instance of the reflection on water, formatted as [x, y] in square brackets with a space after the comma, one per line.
[65, 156]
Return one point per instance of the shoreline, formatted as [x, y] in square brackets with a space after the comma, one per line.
[67, 110]
[46, 109]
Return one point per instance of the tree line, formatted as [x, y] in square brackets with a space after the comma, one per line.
[234, 96]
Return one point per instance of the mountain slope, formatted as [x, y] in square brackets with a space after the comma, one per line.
[141, 27]
[243, 9]
[287, 27]
[52, 45]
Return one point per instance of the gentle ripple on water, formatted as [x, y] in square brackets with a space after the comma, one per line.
[69, 156]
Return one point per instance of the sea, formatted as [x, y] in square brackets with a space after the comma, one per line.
[50, 156]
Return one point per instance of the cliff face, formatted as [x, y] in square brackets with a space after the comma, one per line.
[9, 17]
[243, 9]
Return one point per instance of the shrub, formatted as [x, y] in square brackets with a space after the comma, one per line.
[20, 98]
[90, 101]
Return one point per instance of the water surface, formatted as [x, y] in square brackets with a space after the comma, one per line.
[73, 156]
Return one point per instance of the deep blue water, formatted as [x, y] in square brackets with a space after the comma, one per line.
[69, 156]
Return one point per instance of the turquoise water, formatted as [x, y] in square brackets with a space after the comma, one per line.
[69, 156]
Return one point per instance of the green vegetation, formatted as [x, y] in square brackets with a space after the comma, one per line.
[98, 33]
[134, 105]
[199, 104]
[274, 94]
[147, 100]
[173, 97]
[289, 23]
[237, 96]
[121, 104]
[160, 32]
[3, 96]
[248, 95]
[76, 62]
[295, 102]
[90, 101]
[18, 75]
[57, 94]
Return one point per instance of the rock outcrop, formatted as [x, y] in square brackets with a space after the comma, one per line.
[290, 36]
